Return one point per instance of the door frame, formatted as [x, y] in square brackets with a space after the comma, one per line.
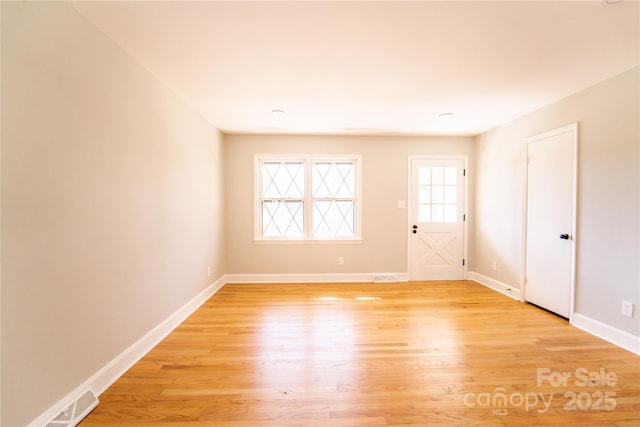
[573, 127]
[465, 208]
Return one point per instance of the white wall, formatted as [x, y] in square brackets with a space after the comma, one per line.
[384, 182]
[608, 250]
[111, 204]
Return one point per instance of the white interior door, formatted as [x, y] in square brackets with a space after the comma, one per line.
[550, 220]
[437, 219]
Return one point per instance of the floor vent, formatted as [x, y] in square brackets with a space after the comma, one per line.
[384, 278]
[75, 412]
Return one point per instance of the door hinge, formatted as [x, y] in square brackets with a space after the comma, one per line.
[464, 172]
[464, 217]
[463, 261]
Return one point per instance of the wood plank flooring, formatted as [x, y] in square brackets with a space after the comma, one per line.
[365, 354]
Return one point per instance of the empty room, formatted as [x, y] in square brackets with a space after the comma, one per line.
[320, 213]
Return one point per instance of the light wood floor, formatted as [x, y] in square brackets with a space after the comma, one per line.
[421, 354]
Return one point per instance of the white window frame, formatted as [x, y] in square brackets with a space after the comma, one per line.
[307, 198]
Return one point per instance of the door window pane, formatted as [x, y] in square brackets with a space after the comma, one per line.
[450, 194]
[450, 176]
[437, 194]
[437, 213]
[424, 194]
[437, 176]
[424, 213]
[450, 213]
[424, 175]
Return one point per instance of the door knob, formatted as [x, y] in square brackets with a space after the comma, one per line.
[415, 227]
[564, 236]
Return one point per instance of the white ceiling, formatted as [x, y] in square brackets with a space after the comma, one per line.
[360, 67]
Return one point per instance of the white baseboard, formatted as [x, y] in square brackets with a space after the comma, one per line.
[106, 376]
[496, 285]
[113, 370]
[316, 278]
[606, 332]
[118, 366]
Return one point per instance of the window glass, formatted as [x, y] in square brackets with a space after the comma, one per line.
[437, 194]
[286, 211]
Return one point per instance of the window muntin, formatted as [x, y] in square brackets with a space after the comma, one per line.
[282, 203]
[333, 184]
[307, 198]
[437, 194]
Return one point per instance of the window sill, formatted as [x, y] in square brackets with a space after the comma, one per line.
[306, 241]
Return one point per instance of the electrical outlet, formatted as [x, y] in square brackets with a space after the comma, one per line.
[494, 266]
[340, 260]
[209, 271]
[627, 308]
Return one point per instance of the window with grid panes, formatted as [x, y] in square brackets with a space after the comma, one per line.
[307, 198]
[437, 194]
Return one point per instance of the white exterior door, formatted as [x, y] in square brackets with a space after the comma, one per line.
[437, 219]
[550, 220]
